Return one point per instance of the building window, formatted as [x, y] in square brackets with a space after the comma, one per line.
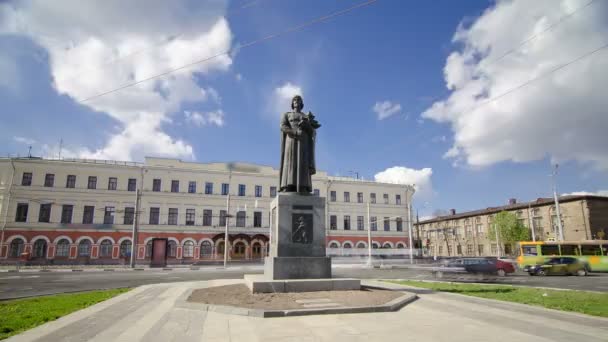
[92, 183]
[188, 249]
[149, 249]
[132, 184]
[49, 180]
[459, 249]
[372, 197]
[206, 249]
[39, 248]
[191, 187]
[105, 248]
[241, 218]
[359, 197]
[468, 231]
[346, 222]
[26, 179]
[507, 249]
[88, 214]
[108, 215]
[397, 199]
[242, 189]
[66, 213]
[45, 213]
[469, 249]
[112, 183]
[208, 188]
[360, 225]
[207, 217]
[258, 191]
[70, 181]
[480, 249]
[332, 196]
[21, 212]
[316, 192]
[385, 196]
[440, 250]
[346, 196]
[172, 220]
[450, 250]
[84, 248]
[222, 218]
[174, 186]
[172, 249]
[374, 223]
[225, 189]
[190, 217]
[493, 249]
[387, 224]
[129, 215]
[125, 248]
[154, 216]
[63, 248]
[273, 191]
[399, 221]
[257, 218]
[16, 248]
[333, 222]
[156, 185]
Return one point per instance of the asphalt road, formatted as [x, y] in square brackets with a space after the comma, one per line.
[26, 284]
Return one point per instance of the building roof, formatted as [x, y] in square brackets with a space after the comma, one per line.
[524, 205]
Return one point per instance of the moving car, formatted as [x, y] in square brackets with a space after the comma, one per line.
[559, 265]
[484, 265]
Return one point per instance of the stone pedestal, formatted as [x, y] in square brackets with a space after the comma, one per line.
[297, 248]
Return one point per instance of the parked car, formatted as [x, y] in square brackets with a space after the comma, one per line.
[483, 265]
[559, 265]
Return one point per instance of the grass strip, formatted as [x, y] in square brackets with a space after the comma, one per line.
[19, 315]
[590, 303]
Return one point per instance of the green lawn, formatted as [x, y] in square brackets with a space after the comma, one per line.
[22, 314]
[590, 303]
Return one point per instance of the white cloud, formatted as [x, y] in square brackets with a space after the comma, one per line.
[581, 193]
[95, 47]
[24, 140]
[385, 109]
[205, 118]
[282, 96]
[562, 116]
[421, 179]
[238, 77]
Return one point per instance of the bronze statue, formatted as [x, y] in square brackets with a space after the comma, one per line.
[298, 134]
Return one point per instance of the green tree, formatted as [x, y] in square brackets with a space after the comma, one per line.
[510, 230]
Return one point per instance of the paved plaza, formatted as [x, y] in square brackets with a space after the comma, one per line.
[160, 313]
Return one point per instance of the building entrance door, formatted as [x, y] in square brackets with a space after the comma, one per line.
[159, 253]
[239, 250]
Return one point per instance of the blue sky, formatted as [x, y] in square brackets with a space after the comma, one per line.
[399, 57]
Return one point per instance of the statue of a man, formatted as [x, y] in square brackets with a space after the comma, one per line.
[298, 133]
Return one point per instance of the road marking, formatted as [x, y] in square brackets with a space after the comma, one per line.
[21, 277]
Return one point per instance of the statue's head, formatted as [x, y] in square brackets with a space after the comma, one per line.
[297, 102]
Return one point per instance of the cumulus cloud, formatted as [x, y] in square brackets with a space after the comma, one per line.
[96, 47]
[282, 96]
[562, 116]
[581, 193]
[420, 179]
[205, 118]
[385, 109]
[24, 140]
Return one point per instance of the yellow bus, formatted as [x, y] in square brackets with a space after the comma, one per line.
[594, 253]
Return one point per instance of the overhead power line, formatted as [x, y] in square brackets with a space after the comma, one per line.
[248, 44]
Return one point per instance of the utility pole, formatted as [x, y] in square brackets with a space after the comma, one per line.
[531, 221]
[557, 211]
[134, 237]
[409, 225]
[226, 242]
[369, 237]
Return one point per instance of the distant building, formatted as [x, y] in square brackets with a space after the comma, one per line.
[82, 211]
[466, 234]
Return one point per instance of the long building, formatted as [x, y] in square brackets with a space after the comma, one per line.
[82, 211]
[466, 234]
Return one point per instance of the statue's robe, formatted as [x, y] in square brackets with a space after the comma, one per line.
[289, 154]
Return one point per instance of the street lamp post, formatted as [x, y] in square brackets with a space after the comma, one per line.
[226, 243]
[557, 211]
[369, 237]
[409, 225]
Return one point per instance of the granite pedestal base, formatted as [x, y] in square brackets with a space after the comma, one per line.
[258, 283]
[297, 267]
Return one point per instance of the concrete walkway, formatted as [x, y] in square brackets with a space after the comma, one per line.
[159, 313]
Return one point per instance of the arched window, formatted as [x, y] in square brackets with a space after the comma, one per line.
[361, 245]
[220, 248]
[84, 248]
[347, 245]
[387, 245]
[172, 252]
[257, 250]
[239, 250]
[105, 248]
[206, 249]
[125, 248]
[149, 249]
[39, 248]
[334, 245]
[375, 245]
[400, 245]
[188, 249]
[16, 248]
[63, 248]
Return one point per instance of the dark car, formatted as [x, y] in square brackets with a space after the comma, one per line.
[483, 265]
[559, 266]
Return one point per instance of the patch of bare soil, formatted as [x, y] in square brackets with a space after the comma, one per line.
[239, 295]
